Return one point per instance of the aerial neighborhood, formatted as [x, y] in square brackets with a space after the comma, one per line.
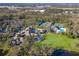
[39, 29]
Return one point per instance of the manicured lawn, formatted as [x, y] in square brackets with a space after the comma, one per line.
[61, 41]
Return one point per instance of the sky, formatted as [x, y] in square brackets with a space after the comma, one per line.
[39, 1]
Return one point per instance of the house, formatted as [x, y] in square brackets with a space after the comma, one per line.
[58, 28]
[46, 24]
[62, 29]
[40, 22]
[32, 30]
[39, 38]
[21, 34]
[29, 30]
[42, 31]
[19, 41]
[16, 42]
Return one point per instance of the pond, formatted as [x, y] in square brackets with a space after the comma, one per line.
[61, 52]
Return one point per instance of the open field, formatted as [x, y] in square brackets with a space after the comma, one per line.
[61, 41]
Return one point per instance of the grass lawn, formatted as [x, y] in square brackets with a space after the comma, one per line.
[61, 41]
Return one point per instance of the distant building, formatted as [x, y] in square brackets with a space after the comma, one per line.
[37, 10]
